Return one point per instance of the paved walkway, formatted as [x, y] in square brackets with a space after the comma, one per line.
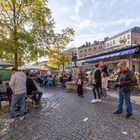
[65, 116]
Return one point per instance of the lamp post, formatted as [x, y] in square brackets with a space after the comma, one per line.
[74, 59]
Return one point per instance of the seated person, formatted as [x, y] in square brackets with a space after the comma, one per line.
[32, 90]
[50, 80]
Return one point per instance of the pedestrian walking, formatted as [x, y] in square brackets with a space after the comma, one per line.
[80, 82]
[18, 86]
[125, 83]
[97, 84]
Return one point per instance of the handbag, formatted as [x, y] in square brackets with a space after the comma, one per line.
[79, 82]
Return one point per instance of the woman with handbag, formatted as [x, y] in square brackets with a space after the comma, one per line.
[80, 81]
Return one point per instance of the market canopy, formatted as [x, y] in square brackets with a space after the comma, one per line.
[29, 67]
[5, 64]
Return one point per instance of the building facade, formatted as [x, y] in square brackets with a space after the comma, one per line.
[126, 38]
[89, 49]
[122, 47]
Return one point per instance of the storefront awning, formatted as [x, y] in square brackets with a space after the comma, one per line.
[110, 55]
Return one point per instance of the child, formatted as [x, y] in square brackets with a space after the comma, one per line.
[104, 84]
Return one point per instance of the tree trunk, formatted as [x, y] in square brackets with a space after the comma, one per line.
[63, 63]
[15, 35]
[16, 60]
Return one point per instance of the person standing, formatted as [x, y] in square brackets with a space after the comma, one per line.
[104, 85]
[125, 83]
[97, 84]
[80, 82]
[18, 85]
[104, 68]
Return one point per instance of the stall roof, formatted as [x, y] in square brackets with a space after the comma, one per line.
[29, 67]
[5, 63]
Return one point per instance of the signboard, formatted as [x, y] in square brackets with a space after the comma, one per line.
[5, 74]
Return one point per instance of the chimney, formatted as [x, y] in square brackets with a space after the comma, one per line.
[106, 38]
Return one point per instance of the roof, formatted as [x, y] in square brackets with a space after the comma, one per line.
[5, 63]
[134, 29]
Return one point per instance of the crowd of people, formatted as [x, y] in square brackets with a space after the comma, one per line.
[24, 84]
[125, 83]
[21, 86]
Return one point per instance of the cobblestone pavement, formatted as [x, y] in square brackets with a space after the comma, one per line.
[65, 116]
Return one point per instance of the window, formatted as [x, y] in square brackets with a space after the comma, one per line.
[128, 42]
[81, 51]
[90, 49]
[100, 47]
[128, 36]
[110, 43]
[113, 41]
[85, 50]
[123, 37]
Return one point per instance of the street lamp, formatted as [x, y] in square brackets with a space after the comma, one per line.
[74, 59]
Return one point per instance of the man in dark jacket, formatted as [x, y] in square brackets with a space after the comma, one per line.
[32, 90]
[125, 83]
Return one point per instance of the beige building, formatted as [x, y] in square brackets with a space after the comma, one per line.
[124, 39]
[122, 47]
[89, 49]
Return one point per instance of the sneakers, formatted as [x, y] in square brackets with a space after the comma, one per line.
[22, 118]
[10, 120]
[117, 113]
[99, 100]
[94, 101]
[82, 96]
[128, 116]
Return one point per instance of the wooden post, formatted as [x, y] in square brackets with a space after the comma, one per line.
[130, 62]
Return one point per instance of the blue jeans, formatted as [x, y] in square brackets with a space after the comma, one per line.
[124, 96]
[17, 99]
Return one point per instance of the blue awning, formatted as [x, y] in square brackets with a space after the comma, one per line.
[111, 55]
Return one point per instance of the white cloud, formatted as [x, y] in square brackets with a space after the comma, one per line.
[77, 7]
[90, 24]
[112, 3]
[65, 9]
[96, 4]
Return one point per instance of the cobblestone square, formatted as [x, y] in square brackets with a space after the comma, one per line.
[65, 116]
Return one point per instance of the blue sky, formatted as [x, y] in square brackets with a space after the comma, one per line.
[95, 19]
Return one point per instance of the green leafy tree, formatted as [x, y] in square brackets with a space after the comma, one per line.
[58, 56]
[26, 30]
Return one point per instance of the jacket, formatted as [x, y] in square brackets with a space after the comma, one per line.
[128, 81]
[97, 78]
[30, 86]
[80, 79]
[18, 83]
